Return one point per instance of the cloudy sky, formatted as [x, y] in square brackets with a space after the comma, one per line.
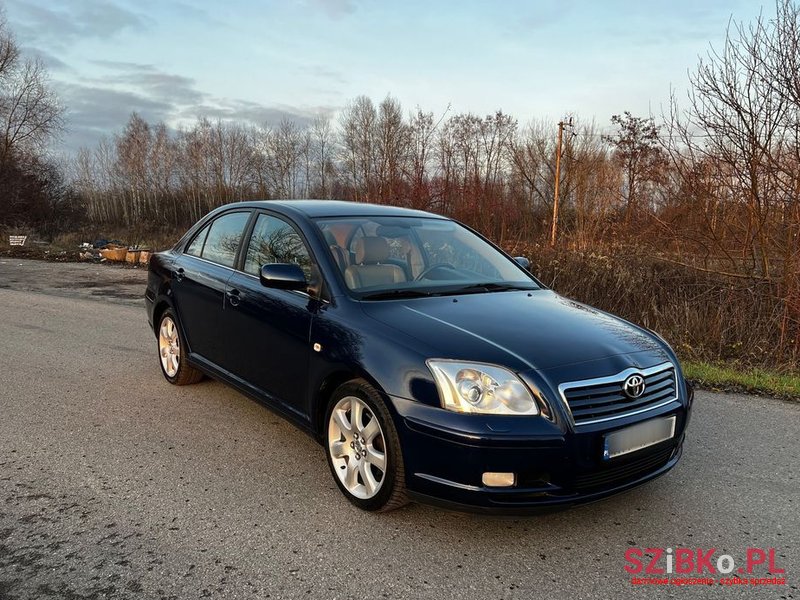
[262, 60]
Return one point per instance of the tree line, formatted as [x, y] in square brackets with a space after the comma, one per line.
[715, 179]
[711, 184]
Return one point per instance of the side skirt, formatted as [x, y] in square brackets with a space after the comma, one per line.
[292, 415]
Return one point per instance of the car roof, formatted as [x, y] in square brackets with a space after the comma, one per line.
[337, 208]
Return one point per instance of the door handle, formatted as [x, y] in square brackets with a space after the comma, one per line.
[233, 297]
[179, 274]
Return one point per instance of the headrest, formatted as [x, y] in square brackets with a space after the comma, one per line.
[370, 250]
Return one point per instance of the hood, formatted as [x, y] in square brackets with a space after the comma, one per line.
[522, 330]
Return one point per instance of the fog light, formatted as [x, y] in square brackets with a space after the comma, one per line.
[491, 479]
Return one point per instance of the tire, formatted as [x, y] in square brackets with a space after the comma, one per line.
[170, 345]
[354, 453]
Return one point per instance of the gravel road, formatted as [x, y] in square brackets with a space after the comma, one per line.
[114, 484]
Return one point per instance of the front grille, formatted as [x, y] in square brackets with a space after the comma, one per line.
[603, 399]
[619, 474]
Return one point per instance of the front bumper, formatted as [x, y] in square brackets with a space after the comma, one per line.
[556, 466]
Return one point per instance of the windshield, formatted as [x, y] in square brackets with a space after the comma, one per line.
[393, 257]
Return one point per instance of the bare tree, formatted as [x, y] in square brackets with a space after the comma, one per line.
[30, 114]
[638, 152]
[421, 129]
[9, 51]
[358, 134]
[532, 156]
[323, 152]
[284, 148]
[391, 150]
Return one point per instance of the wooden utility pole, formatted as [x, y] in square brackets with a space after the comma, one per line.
[558, 181]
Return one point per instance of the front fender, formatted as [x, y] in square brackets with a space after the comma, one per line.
[351, 346]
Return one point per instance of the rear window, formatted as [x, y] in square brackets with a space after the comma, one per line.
[196, 247]
[222, 240]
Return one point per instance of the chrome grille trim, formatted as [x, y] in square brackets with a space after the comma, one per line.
[618, 378]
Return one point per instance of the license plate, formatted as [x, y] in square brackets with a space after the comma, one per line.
[638, 436]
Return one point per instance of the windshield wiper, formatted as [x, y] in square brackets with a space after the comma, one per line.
[475, 288]
[395, 294]
[491, 286]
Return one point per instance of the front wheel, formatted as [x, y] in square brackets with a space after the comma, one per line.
[363, 448]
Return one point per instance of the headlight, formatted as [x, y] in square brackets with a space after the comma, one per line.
[479, 388]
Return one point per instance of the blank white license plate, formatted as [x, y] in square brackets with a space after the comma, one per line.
[638, 436]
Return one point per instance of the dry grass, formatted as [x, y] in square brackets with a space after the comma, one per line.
[705, 316]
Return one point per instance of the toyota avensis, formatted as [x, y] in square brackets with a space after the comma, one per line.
[430, 365]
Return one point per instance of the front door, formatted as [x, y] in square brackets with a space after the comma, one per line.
[270, 329]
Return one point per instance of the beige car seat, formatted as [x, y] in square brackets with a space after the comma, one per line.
[370, 268]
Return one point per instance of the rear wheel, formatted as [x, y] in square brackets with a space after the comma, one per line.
[363, 448]
[170, 352]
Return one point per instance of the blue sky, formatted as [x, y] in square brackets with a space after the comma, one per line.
[261, 61]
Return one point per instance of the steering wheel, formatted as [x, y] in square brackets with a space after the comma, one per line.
[433, 268]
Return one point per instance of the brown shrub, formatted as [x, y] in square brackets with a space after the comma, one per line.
[703, 315]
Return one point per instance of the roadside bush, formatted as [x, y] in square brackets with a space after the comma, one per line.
[704, 316]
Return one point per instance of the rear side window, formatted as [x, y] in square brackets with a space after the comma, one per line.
[196, 247]
[275, 241]
[223, 238]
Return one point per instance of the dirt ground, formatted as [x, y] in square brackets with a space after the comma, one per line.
[116, 283]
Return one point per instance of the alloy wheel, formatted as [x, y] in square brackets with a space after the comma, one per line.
[357, 447]
[169, 348]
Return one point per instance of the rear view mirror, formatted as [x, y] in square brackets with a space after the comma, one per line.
[523, 262]
[283, 276]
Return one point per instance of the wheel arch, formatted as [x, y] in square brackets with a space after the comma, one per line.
[161, 305]
[324, 392]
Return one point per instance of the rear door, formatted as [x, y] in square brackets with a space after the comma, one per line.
[199, 278]
[270, 329]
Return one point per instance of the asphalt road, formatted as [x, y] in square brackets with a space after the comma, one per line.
[114, 484]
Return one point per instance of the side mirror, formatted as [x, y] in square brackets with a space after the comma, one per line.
[523, 262]
[283, 276]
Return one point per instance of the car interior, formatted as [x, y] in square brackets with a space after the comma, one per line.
[382, 257]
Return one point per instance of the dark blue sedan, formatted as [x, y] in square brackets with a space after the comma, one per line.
[431, 365]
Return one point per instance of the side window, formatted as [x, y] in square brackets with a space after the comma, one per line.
[224, 237]
[275, 241]
[196, 247]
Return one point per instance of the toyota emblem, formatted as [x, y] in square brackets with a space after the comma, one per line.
[633, 386]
